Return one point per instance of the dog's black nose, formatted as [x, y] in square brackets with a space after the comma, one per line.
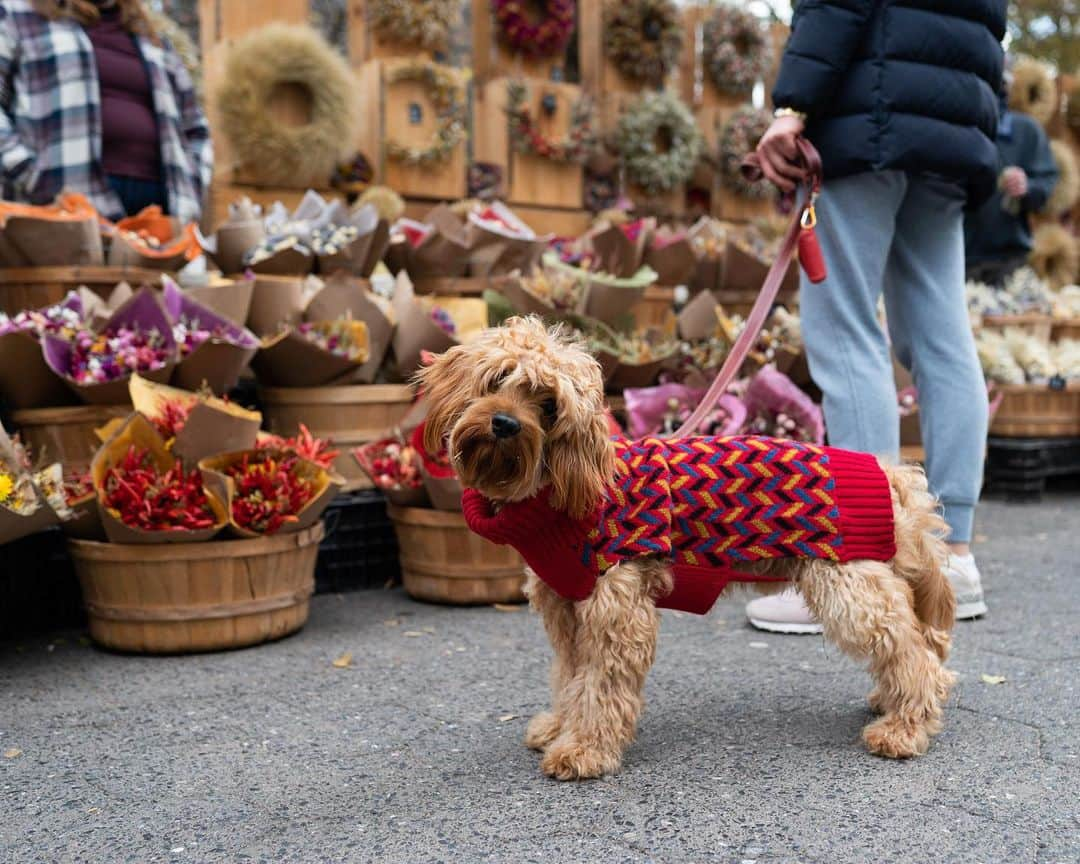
[504, 426]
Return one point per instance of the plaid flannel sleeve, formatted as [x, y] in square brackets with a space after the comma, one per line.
[15, 156]
[193, 124]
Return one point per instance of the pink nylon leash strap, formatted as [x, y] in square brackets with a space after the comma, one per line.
[803, 219]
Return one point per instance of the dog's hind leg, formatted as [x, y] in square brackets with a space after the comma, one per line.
[867, 610]
[615, 644]
[560, 624]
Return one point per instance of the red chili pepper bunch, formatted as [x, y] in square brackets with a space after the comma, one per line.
[77, 486]
[270, 490]
[171, 418]
[142, 496]
[306, 446]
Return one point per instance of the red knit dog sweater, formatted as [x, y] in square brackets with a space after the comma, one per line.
[706, 504]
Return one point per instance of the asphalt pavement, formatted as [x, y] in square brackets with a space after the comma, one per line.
[748, 751]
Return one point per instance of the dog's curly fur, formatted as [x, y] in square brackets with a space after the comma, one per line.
[898, 615]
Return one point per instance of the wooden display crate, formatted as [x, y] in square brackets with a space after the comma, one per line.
[221, 20]
[599, 76]
[664, 204]
[492, 59]
[696, 86]
[390, 115]
[221, 23]
[733, 207]
[365, 44]
[529, 179]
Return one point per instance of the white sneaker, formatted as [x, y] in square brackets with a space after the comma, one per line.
[966, 582]
[785, 612]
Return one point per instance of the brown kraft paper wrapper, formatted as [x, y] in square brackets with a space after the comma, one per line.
[327, 486]
[124, 253]
[96, 310]
[217, 362]
[143, 310]
[444, 492]
[85, 524]
[10, 255]
[607, 302]
[416, 331]
[213, 425]
[745, 271]
[229, 298]
[637, 374]
[138, 431]
[290, 360]
[234, 240]
[210, 430]
[523, 301]
[359, 257]
[51, 243]
[345, 296]
[698, 318]
[26, 380]
[618, 255]
[675, 262]
[400, 497]
[277, 302]
[285, 262]
[39, 515]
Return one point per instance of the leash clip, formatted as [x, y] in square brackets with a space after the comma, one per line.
[809, 216]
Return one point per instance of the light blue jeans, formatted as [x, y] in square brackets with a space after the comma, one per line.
[902, 236]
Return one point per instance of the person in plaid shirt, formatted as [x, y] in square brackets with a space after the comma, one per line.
[92, 101]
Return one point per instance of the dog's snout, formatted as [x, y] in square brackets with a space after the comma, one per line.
[504, 425]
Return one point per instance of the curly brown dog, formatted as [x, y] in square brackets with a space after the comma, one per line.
[613, 529]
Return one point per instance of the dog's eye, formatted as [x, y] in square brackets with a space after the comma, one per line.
[550, 408]
[497, 382]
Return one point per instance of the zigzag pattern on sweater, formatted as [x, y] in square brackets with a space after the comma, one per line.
[714, 501]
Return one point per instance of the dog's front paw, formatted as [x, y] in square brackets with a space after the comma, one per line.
[894, 738]
[876, 701]
[542, 730]
[569, 760]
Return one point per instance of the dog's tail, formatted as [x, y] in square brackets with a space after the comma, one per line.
[921, 554]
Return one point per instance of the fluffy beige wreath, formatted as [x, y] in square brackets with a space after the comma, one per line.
[1033, 90]
[1067, 190]
[1055, 256]
[274, 152]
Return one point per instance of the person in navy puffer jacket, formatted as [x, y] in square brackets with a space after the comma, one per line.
[899, 97]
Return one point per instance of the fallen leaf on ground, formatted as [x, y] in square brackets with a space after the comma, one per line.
[391, 622]
[12, 753]
[506, 718]
[343, 662]
[509, 607]
[992, 679]
[411, 633]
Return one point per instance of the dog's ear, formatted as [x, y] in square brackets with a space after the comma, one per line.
[580, 465]
[444, 383]
[579, 456]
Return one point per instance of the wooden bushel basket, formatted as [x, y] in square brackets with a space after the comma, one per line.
[36, 287]
[184, 597]
[348, 416]
[1030, 411]
[442, 561]
[66, 434]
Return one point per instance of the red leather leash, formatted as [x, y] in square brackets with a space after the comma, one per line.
[799, 237]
